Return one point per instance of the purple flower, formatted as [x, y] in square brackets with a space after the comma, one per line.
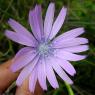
[43, 52]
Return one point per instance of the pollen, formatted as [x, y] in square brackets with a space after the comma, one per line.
[45, 49]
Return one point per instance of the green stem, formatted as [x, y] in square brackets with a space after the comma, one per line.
[69, 89]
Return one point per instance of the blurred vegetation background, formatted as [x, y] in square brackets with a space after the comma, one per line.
[81, 13]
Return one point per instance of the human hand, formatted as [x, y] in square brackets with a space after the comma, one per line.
[7, 78]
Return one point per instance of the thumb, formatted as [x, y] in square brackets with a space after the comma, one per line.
[6, 76]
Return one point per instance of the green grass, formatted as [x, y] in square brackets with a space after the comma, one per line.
[81, 13]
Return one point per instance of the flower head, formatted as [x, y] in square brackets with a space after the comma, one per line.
[43, 52]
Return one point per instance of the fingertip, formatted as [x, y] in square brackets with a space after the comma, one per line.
[6, 76]
[24, 89]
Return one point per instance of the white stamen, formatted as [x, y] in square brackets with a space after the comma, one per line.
[44, 49]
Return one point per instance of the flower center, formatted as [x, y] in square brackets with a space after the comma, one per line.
[45, 49]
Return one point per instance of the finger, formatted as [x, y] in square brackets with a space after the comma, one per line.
[6, 76]
[38, 90]
[24, 89]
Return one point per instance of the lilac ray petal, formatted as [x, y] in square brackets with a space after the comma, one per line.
[35, 21]
[21, 30]
[68, 56]
[61, 73]
[33, 80]
[38, 9]
[70, 34]
[58, 23]
[18, 38]
[76, 49]
[22, 51]
[49, 19]
[70, 42]
[42, 74]
[26, 71]
[51, 75]
[65, 65]
[23, 61]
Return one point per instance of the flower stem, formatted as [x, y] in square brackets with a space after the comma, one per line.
[69, 89]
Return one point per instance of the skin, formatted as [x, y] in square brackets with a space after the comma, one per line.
[7, 78]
